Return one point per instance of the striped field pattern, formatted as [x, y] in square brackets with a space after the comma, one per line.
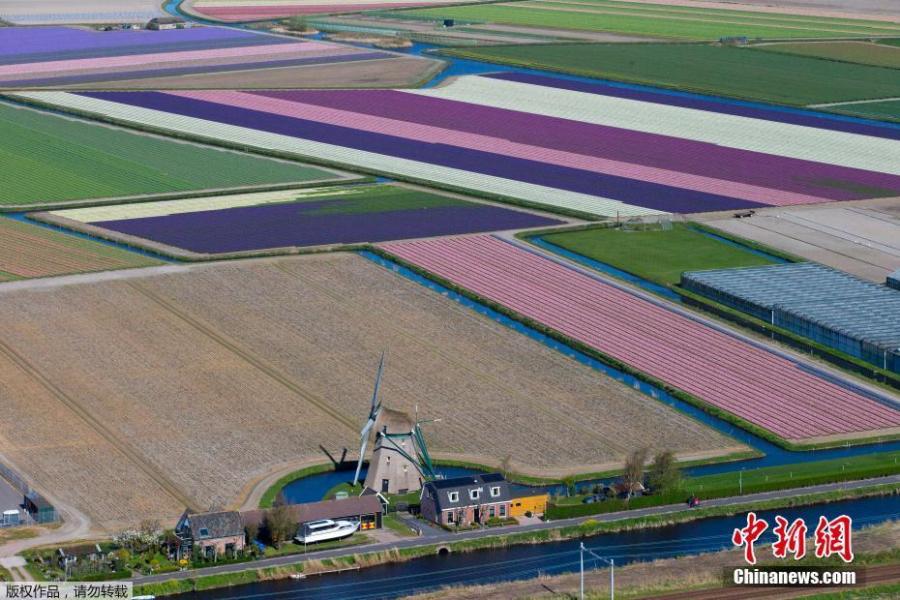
[31, 251]
[593, 148]
[745, 380]
[59, 56]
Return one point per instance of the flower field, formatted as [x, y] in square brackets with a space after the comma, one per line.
[256, 381]
[746, 380]
[303, 218]
[257, 10]
[32, 251]
[591, 148]
[67, 56]
[54, 12]
[49, 160]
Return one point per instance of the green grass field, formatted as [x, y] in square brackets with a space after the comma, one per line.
[657, 255]
[864, 53]
[379, 198]
[655, 20]
[745, 482]
[47, 158]
[725, 71]
[886, 111]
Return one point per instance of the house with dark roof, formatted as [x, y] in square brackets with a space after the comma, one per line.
[210, 534]
[465, 501]
[366, 509]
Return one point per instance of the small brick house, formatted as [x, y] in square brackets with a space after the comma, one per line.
[466, 501]
[210, 534]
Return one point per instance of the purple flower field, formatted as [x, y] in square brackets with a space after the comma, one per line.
[307, 224]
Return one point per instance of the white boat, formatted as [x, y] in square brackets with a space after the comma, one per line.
[325, 530]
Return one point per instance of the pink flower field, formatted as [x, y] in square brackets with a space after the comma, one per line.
[752, 383]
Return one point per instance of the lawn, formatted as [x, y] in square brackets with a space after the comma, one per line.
[725, 71]
[865, 53]
[48, 159]
[656, 21]
[657, 255]
[353, 214]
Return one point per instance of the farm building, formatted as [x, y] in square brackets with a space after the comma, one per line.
[210, 534]
[468, 500]
[367, 509]
[830, 307]
[527, 501]
[39, 508]
[893, 280]
[162, 23]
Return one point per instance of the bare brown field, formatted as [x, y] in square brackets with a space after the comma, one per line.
[862, 238]
[183, 387]
[401, 71]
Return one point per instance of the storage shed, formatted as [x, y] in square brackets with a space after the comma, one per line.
[830, 307]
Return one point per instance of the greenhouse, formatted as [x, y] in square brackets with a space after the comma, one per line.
[835, 309]
[893, 280]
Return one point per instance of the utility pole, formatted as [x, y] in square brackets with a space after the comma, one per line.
[612, 571]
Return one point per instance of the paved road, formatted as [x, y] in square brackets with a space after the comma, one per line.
[469, 535]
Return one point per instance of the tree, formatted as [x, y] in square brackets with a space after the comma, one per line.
[252, 530]
[297, 23]
[633, 474]
[664, 475]
[504, 466]
[569, 482]
[280, 524]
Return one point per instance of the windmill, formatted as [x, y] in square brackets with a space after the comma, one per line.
[374, 413]
[400, 459]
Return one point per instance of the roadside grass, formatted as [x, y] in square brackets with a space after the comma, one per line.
[656, 255]
[48, 158]
[654, 20]
[723, 71]
[743, 482]
[864, 53]
[391, 522]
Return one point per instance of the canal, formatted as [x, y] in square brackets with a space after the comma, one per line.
[528, 561]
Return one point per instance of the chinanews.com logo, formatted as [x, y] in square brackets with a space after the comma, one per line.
[831, 538]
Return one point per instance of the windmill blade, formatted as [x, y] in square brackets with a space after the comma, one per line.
[375, 402]
[363, 442]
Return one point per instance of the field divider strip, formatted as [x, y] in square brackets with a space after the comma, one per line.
[142, 463]
[248, 357]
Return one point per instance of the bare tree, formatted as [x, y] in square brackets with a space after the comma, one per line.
[633, 474]
[505, 466]
[280, 524]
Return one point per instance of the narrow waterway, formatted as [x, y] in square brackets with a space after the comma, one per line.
[524, 562]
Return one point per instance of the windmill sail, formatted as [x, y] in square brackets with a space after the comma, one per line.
[374, 411]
